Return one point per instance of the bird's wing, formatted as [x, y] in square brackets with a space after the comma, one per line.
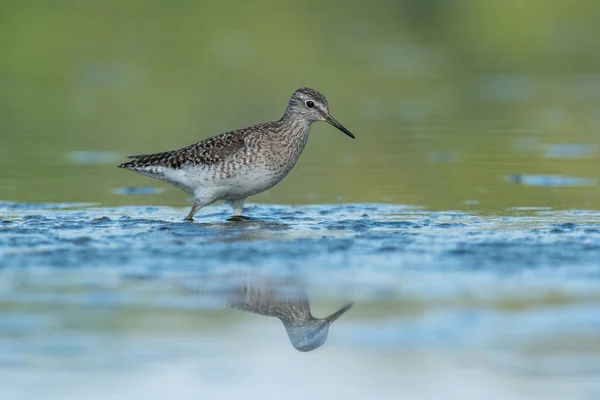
[207, 152]
[283, 299]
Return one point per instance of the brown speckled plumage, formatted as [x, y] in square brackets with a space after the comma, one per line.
[237, 164]
[206, 152]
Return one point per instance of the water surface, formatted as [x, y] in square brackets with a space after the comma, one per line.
[131, 301]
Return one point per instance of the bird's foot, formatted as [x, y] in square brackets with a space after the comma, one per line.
[239, 218]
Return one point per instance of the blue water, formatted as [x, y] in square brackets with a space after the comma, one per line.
[112, 302]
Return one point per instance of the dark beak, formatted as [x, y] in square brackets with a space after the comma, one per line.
[334, 122]
[338, 313]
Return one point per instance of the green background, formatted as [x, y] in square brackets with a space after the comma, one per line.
[446, 98]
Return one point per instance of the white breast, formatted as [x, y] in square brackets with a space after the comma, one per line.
[246, 183]
[212, 183]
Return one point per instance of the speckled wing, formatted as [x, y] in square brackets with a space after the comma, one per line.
[285, 300]
[207, 152]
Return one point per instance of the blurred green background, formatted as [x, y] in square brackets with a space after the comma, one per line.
[463, 104]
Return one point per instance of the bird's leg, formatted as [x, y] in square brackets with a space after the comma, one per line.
[237, 206]
[198, 204]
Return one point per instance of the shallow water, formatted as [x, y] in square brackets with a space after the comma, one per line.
[132, 302]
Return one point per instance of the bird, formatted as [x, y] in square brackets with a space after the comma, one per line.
[238, 164]
[286, 300]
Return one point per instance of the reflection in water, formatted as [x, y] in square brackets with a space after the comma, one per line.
[287, 300]
[92, 157]
[570, 150]
[550, 180]
[132, 191]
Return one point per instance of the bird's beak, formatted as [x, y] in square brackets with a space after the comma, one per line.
[335, 123]
[338, 313]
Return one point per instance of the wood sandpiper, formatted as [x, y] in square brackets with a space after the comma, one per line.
[288, 301]
[235, 165]
[283, 298]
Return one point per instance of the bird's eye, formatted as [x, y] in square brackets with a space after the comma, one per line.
[310, 104]
[310, 335]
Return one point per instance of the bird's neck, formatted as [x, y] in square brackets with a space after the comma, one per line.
[294, 130]
[295, 317]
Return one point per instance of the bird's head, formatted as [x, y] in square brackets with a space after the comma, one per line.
[310, 334]
[311, 106]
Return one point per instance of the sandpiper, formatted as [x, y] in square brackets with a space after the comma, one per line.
[286, 300]
[235, 165]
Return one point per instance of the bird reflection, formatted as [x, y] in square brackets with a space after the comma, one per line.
[287, 301]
